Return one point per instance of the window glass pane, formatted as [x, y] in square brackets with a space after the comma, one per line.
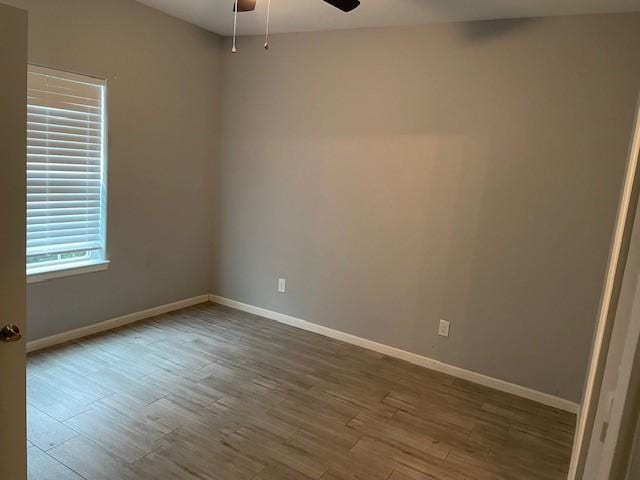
[66, 184]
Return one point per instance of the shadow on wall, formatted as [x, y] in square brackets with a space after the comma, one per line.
[479, 31]
[483, 30]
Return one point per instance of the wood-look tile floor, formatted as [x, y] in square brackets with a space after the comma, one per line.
[213, 393]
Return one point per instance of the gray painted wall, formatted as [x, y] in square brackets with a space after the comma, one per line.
[394, 176]
[399, 176]
[163, 94]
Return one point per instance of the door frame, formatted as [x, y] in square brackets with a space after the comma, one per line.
[623, 418]
[607, 310]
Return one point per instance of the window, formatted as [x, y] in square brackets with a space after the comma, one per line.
[66, 174]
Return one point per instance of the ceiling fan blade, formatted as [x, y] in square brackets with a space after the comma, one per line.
[245, 5]
[344, 5]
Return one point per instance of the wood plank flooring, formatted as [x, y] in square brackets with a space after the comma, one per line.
[212, 393]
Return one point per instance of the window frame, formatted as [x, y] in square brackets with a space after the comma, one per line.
[96, 260]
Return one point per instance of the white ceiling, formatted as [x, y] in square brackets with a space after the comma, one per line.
[311, 15]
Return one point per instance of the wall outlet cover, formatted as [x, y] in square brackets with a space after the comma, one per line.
[282, 285]
[443, 329]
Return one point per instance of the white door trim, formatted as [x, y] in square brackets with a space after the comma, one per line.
[623, 396]
[607, 309]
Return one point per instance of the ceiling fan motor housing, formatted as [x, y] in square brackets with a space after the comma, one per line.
[344, 5]
[245, 5]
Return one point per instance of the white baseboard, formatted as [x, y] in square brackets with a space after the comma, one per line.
[113, 323]
[414, 358]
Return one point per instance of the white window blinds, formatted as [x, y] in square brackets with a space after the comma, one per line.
[66, 194]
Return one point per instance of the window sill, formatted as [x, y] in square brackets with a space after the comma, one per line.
[77, 269]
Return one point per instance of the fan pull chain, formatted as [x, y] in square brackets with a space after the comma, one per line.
[266, 39]
[235, 26]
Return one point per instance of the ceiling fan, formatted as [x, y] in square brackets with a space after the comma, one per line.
[250, 5]
[344, 5]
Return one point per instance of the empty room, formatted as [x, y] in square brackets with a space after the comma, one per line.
[319, 239]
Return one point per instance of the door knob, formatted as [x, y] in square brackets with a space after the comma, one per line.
[10, 333]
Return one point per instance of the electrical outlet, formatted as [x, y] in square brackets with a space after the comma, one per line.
[443, 329]
[282, 285]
